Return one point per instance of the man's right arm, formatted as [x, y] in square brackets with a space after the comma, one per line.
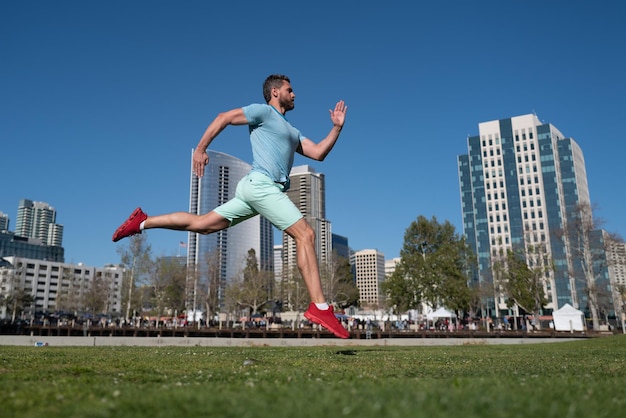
[200, 157]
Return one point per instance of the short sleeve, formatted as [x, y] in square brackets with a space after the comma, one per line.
[256, 113]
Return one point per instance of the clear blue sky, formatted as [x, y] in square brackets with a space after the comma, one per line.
[101, 102]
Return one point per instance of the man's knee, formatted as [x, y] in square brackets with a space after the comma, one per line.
[301, 230]
[210, 222]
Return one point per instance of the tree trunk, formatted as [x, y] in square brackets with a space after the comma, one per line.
[593, 308]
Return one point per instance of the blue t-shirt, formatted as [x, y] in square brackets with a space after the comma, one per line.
[273, 139]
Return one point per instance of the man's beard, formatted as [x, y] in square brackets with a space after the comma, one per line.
[288, 105]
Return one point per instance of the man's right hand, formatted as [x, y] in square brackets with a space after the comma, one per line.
[200, 159]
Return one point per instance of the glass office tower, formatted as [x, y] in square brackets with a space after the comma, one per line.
[230, 245]
[520, 181]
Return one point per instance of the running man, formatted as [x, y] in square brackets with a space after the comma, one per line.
[274, 143]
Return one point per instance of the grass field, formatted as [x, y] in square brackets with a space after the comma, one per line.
[568, 379]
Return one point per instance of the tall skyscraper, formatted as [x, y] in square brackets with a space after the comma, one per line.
[370, 273]
[617, 263]
[520, 182]
[308, 193]
[38, 220]
[228, 248]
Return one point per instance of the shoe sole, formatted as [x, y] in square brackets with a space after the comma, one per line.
[118, 231]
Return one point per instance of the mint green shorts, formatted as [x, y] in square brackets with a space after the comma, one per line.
[258, 194]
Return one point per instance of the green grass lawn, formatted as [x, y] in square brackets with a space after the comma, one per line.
[566, 379]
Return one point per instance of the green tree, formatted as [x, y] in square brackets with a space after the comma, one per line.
[522, 278]
[402, 293]
[434, 267]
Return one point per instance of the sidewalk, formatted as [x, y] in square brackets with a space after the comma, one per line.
[56, 341]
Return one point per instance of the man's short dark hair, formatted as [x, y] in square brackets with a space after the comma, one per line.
[273, 81]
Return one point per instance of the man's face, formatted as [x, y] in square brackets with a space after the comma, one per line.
[286, 96]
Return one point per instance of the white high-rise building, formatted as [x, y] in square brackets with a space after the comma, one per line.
[370, 273]
[38, 220]
[617, 263]
[616, 259]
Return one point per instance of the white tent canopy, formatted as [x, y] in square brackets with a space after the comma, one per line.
[440, 313]
[568, 318]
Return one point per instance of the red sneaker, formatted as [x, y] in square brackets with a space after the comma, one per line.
[130, 226]
[327, 319]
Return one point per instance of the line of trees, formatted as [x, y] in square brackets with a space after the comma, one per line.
[437, 265]
[167, 286]
[436, 269]
[257, 290]
[156, 287]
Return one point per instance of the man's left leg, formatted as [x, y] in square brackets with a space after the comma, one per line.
[304, 237]
[261, 193]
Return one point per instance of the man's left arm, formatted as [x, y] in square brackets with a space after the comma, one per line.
[320, 150]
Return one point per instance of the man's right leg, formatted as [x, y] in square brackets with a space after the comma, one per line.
[230, 213]
[179, 221]
[184, 221]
